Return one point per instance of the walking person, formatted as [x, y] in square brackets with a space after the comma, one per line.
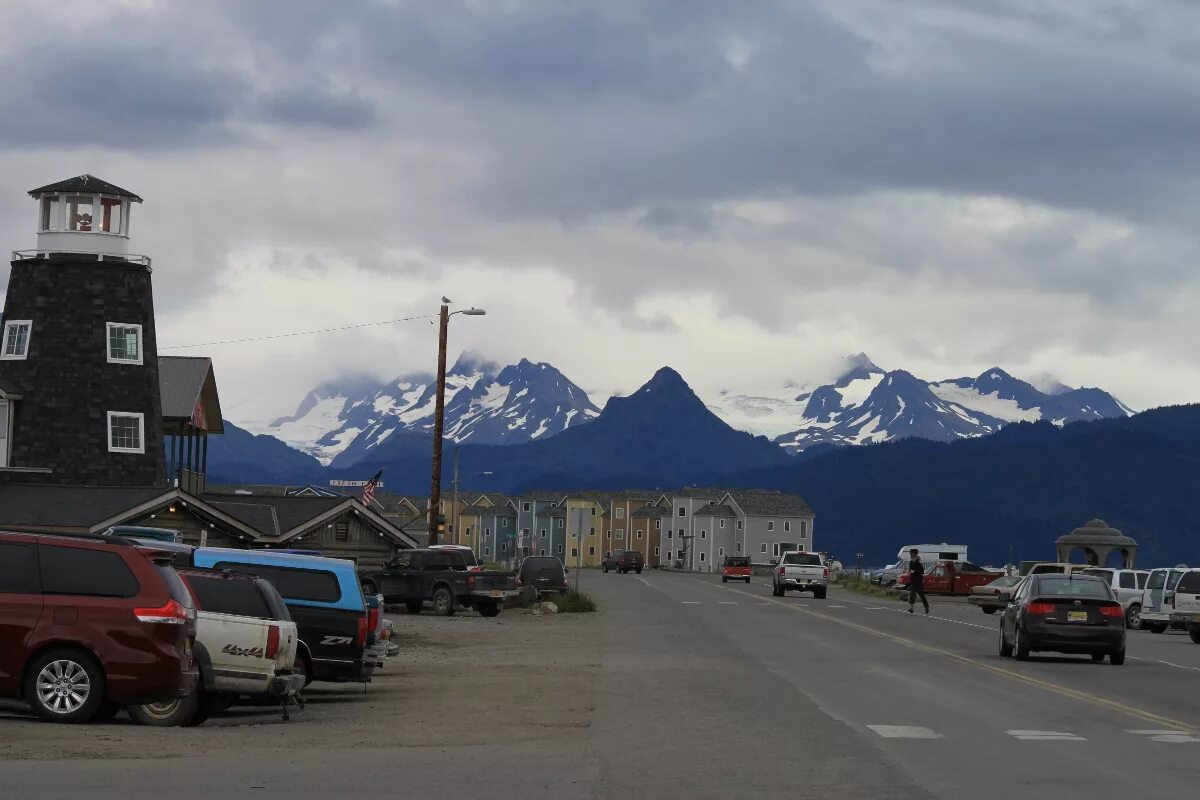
[916, 581]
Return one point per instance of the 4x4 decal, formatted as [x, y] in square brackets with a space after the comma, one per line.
[245, 652]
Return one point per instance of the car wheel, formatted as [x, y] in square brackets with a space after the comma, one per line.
[208, 705]
[1097, 657]
[1194, 633]
[638, 571]
[1133, 617]
[724, 579]
[747, 581]
[604, 567]
[301, 667]
[1117, 658]
[65, 686]
[1005, 648]
[819, 594]
[488, 609]
[168, 713]
[443, 602]
[1021, 651]
[989, 609]
[412, 606]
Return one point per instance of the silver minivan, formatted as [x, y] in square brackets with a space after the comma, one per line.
[1187, 603]
[1158, 599]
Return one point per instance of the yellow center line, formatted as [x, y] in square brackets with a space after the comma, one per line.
[1064, 691]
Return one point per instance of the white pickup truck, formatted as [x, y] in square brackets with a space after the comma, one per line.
[800, 572]
[245, 645]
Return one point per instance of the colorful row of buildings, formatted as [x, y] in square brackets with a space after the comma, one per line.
[693, 529]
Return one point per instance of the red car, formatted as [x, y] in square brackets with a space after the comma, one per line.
[736, 568]
[91, 624]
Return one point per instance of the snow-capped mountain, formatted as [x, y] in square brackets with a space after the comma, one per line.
[868, 405]
[343, 422]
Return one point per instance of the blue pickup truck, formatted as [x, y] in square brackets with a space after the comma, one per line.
[325, 600]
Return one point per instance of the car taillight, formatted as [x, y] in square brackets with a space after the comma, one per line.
[272, 642]
[470, 581]
[173, 613]
[519, 581]
[826, 575]
[360, 635]
[782, 571]
[1111, 611]
[1040, 608]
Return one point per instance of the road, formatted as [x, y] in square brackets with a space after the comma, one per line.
[690, 688]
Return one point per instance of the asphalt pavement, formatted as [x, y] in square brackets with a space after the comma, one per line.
[706, 690]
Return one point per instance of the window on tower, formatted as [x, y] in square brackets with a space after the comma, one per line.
[16, 339]
[126, 432]
[79, 213]
[124, 343]
[110, 215]
[51, 213]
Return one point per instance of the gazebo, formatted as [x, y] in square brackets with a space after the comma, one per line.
[1097, 541]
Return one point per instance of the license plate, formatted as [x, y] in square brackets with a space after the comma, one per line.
[496, 593]
[1077, 616]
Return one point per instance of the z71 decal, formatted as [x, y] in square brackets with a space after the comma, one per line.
[245, 652]
[336, 640]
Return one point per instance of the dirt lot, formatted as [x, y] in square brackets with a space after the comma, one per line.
[452, 684]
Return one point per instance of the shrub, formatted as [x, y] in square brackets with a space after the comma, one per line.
[574, 602]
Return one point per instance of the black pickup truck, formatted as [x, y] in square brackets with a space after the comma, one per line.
[447, 578]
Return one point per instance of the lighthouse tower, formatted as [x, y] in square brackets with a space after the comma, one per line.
[79, 382]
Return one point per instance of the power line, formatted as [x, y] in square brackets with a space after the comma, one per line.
[298, 333]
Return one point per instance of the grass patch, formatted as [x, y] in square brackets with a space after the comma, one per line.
[864, 586]
[574, 602]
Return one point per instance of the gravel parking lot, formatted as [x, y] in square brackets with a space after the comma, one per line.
[452, 684]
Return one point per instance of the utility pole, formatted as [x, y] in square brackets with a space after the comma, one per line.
[454, 505]
[439, 422]
[578, 546]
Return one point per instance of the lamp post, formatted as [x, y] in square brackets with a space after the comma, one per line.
[439, 417]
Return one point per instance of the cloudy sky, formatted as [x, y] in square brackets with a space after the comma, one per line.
[743, 190]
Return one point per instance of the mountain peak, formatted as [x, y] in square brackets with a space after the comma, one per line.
[471, 363]
[856, 367]
[665, 378]
[995, 374]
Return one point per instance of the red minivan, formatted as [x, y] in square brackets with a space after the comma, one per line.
[91, 624]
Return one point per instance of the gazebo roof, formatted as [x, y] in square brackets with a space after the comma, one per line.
[1096, 532]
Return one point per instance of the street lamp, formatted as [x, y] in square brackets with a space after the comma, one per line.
[439, 416]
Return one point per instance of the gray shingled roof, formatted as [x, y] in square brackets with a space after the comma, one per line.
[27, 505]
[184, 380]
[715, 511]
[259, 516]
[771, 504]
[489, 511]
[553, 512]
[85, 183]
[652, 511]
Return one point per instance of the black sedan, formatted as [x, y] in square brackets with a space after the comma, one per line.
[1063, 614]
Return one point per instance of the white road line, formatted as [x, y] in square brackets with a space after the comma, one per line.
[1046, 736]
[727, 602]
[904, 732]
[690, 602]
[1167, 737]
[835, 606]
[873, 608]
[643, 580]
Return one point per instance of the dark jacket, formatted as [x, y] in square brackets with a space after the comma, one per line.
[916, 574]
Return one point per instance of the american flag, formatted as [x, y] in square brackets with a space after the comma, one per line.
[369, 490]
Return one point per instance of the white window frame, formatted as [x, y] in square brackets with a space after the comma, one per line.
[722, 524]
[803, 527]
[787, 527]
[560, 522]
[560, 547]
[12, 323]
[739, 525]
[721, 552]
[504, 522]
[770, 524]
[487, 551]
[703, 533]
[639, 533]
[762, 548]
[591, 550]
[739, 547]
[658, 524]
[620, 512]
[542, 552]
[775, 549]
[525, 507]
[543, 533]
[141, 418]
[487, 533]
[702, 555]
[108, 326]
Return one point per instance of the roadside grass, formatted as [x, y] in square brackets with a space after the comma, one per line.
[865, 587]
[574, 602]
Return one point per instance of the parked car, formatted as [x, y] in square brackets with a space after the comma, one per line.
[545, 574]
[1187, 603]
[1127, 585]
[245, 644]
[91, 624]
[1063, 613]
[443, 577]
[623, 561]
[889, 575]
[325, 601]
[952, 577]
[800, 572]
[736, 568]
[1055, 568]
[987, 597]
[1158, 598]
